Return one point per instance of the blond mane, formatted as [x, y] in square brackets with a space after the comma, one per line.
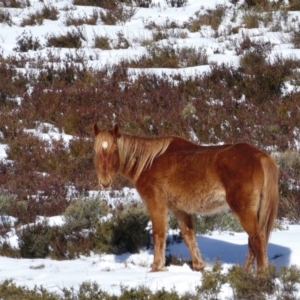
[137, 154]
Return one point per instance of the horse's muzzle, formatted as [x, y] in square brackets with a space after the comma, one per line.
[104, 185]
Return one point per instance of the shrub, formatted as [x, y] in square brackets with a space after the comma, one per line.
[295, 37]
[294, 5]
[6, 200]
[212, 18]
[247, 285]
[117, 13]
[72, 39]
[83, 212]
[7, 250]
[102, 42]
[204, 224]
[5, 17]
[9, 290]
[91, 20]
[15, 3]
[124, 231]
[50, 12]
[251, 20]
[34, 240]
[122, 42]
[26, 42]
[167, 56]
[177, 3]
[212, 282]
[69, 241]
[143, 3]
[289, 278]
[33, 19]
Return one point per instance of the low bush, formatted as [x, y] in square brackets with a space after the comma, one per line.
[72, 39]
[84, 212]
[78, 21]
[205, 224]
[34, 240]
[212, 282]
[117, 12]
[169, 56]
[282, 284]
[247, 285]
[102, 42]
[5, 17]
[213, 18]
[33, 19]
[177, 3]
[15, 3]
[50, 12]
[295, 37]
[26, 42]
[123, 231]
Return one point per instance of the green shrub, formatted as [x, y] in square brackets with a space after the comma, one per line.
[204, 224]
[83, 212]
[290, 279]
[34, 240]
[9, 290]
[69, 242]
[212, 282]
[6, 201]
[7, 250]
[248, 285]
[124, 231]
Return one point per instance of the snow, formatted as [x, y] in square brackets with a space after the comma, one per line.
[132, 270]
[3, 154]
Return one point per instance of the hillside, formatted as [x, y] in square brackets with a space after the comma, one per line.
[211, 71]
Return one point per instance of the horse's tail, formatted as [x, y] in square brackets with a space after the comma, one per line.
[270, 196]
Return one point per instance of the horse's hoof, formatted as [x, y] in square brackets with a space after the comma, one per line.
[199, 267]
[162, 269]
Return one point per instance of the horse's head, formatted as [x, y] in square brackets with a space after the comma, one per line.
[106, 159]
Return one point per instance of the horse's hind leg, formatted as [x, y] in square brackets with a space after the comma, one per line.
[256, 241]
[249, 263]
[185, 222]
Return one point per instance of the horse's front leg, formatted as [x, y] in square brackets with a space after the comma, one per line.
[158, 216]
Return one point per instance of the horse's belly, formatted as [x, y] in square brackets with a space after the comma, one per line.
[201, 203]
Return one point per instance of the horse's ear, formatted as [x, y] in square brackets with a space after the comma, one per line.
[116, 130]
[96, 129]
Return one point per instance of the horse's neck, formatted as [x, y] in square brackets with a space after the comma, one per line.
[137, 154]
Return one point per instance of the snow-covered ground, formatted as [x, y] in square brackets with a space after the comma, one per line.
[132, 270]
[111, 271]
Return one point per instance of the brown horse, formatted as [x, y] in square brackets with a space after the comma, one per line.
[173, 173]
